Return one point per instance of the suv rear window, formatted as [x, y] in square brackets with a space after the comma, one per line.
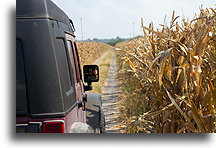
[21, 95]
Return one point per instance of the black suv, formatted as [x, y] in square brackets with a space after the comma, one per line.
[50, 89]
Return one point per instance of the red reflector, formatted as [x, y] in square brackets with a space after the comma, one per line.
[53, 127]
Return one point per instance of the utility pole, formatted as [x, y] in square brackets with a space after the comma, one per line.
[133, 30]
[81, 28]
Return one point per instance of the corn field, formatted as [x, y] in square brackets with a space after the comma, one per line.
[168, 76]
[91, 51]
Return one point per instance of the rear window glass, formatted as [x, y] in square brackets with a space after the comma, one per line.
[71, 58]
[65, 74]
[21, 95]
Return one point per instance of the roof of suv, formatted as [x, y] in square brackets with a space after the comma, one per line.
[32, 9]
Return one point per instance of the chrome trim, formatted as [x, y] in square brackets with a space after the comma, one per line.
[54, 121]
[21, 124]
[39, 123]
[70, 92]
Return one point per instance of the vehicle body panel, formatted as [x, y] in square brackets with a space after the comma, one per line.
[49, 85]
[49, 82]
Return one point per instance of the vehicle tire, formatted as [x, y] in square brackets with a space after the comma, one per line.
[102, 122]
[94, 113]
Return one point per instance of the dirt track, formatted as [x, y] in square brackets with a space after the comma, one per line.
[97, 62]
[110, 98]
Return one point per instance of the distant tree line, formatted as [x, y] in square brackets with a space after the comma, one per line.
[111, 42]
[115, 41]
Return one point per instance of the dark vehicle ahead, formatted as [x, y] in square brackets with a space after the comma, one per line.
[50, 90]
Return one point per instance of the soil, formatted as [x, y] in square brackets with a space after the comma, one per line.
[110, 98]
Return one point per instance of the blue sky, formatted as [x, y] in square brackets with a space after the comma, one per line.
[111, 18]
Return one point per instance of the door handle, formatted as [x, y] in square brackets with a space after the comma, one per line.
[80, 104]
[84, 98]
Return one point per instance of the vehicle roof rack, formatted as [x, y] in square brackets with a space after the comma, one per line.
[72, 25]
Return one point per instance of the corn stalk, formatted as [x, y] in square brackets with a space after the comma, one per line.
[173, 72]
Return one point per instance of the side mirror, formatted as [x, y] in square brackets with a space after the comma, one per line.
[91, 74]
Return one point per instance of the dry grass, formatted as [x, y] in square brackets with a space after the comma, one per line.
[171, 74]
[104, 69]
[91, 51]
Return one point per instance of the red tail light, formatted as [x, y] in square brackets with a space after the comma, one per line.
[53, 127]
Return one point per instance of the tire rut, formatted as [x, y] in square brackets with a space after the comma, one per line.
[110, 98]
